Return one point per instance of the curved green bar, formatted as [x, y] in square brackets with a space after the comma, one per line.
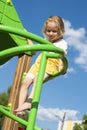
[22, 49]
[25, 34]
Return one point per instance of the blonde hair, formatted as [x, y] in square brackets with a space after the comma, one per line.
[59, 23]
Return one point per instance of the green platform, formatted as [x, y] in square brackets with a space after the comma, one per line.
[9, 17]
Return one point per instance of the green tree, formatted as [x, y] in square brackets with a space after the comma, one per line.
[77, 127]
[84, 122]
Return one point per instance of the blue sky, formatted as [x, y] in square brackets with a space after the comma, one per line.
[65, 93]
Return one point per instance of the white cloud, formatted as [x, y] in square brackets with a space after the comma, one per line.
[55, 114]
[76, 38]
[71, 70]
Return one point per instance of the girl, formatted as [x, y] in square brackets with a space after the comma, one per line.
[53, 31]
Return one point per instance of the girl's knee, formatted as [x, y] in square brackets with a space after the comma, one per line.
[27, 82]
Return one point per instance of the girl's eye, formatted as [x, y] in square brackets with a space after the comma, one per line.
[54, 31]
[48, 31]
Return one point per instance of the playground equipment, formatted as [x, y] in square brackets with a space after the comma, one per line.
[14, 44]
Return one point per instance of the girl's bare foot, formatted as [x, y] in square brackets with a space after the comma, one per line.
[25, 106]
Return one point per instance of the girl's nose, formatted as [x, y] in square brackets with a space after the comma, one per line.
[51, 32]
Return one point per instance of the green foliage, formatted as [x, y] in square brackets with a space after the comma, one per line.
[77, 127]
[81, 126]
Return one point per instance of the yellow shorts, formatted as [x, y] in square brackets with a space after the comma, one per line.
[53, 66]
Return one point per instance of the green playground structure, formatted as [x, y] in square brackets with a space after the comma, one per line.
[12, 43]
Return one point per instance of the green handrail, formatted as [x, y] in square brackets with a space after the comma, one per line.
[21, 49]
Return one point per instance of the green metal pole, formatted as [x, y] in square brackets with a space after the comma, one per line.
[37, 93]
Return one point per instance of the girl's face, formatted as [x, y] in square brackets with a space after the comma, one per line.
[52, 32]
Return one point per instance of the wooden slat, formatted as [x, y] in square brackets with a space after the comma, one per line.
[23, 65]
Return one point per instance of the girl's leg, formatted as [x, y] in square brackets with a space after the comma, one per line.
[27, 104]
[24, 92]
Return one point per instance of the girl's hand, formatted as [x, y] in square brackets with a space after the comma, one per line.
[60, 65]
[29, 41]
